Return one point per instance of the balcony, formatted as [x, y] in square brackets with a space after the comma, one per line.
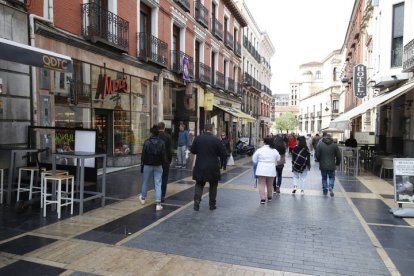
[239, 89]
[101, 25]
[335, 111]
[231, 85]
[229, 40]
[306, 115]
[202, 73]
[152, 49]
[408, 57]
[245, 42]
[319, 114]
[201, 13]
[312, 115]
[247, 79]
[177, 62]
[217, 28]
[185, 4]
[219, 80]
[237, 49]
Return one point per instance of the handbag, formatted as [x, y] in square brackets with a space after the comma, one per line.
[230, 161]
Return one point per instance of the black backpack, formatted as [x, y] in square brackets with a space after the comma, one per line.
[154, 151]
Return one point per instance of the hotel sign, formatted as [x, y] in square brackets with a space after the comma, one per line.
[360, 80]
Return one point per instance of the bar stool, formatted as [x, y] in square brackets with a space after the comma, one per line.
[46, 173]
[29, 189]
[57, 179]
[1, 185]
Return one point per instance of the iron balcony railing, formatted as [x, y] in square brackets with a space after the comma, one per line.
[247, 79]
[185, 4]
[230, 85]
[312, 115]
[151, 48]
[245, 42]
[237, 49]
[217, 28]
[202, 72]
[219, 80]
[239, 89]
[257, 85]
[177, 62]
[408, 57]
[319, 113]
[396, 57]
[201, 13]
[228, 40]
[335, 111]
[101, 25]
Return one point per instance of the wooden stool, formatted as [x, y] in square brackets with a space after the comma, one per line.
[57, 179]
[45, 173]
[1, 185]
[30, 189]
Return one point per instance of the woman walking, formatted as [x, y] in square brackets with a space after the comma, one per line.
[265, 158]
[300, 161]
[281, 148]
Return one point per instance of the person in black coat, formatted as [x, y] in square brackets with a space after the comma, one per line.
[166, 166]
[208, 150]
[226, 145]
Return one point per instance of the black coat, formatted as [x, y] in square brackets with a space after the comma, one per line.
[209, 150]
[167, 141]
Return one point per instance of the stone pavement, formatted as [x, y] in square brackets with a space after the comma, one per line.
[349, 234]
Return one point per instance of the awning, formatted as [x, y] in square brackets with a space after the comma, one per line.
[25, 54]
[342, 121]
[332, 130]
[236, 113]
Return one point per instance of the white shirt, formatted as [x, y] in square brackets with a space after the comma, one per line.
[266, 158]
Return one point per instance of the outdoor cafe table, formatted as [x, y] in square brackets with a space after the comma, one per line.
[12, 163]
[80, 157]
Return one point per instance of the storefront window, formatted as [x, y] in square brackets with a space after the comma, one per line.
[72, 117]
[140, 127]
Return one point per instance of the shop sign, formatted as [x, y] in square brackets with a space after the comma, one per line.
[108, 86]
[365, 138]
[404, 180]
[208, 101]
[360, 80]
[25, 54]
[186, 67]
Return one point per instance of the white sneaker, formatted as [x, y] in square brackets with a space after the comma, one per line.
[158, 207]
[142, 199]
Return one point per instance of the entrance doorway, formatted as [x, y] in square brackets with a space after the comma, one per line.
[103, 123]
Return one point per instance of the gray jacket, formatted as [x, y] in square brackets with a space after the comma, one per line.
[328, 154]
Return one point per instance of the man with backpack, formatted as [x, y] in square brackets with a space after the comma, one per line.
[153, 157]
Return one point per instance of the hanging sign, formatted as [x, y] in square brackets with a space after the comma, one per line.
[186, 68]
[360, 80]
[208, 101]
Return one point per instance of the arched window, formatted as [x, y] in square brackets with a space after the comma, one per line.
[318, 75]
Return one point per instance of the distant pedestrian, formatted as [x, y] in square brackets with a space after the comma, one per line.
[315, 141]
[208, 150]
[329, 156]
[291, 143]
[226, 145]
[351, 142]
[280, 146]
[153, 157]
[166, 166]
[309, 143]
[300, 164]
[265, 158]
[183, 143]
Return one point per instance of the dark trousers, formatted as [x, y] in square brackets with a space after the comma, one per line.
[198, 192]
[277, 181]
[164, 179]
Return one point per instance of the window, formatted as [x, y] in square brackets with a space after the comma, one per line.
[334, 74]
[318, 75]
[397, 35]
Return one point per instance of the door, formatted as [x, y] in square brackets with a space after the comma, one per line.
[103, 125]
[175, 59]
[145, 30]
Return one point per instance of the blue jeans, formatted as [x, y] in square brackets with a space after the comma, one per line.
[325, 174]
[181, 161]
[156, 173]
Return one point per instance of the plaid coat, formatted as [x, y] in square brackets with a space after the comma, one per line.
[300, 159]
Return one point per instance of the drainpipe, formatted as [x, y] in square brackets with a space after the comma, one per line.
[32, 18]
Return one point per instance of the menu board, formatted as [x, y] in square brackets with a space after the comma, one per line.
[404, 180]
[365, 138]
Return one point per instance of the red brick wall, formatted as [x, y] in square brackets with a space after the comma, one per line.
[68, 17]
[36, 7]
[128, 11]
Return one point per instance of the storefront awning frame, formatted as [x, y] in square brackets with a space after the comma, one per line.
[342, 121]
[236, 113]
[33, 56]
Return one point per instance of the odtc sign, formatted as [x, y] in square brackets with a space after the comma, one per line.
[360, 80]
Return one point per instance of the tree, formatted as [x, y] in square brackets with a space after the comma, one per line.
[287, 121]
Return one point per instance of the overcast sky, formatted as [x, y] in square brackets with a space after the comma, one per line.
[301, 31]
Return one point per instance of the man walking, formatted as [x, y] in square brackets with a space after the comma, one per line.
[152, 158]
[166, 166]
[209, 151]
[183, 143]
[329, 156]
